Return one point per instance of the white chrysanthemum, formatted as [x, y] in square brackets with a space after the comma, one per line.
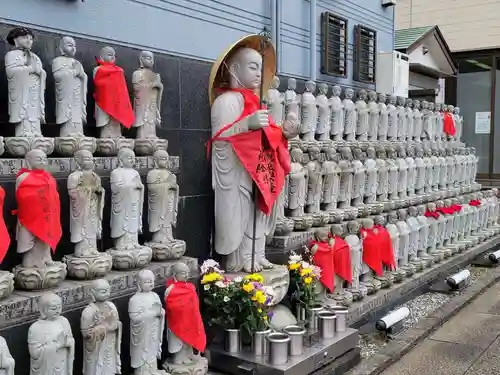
[226, 299]
[206, 287]
[294, 258]
[238, 279]
[210, 265]
[306, 265]
[220, 284]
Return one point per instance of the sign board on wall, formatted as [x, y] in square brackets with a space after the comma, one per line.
[440, 91]
[483, 123]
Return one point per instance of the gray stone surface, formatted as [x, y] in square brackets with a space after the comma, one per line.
[488, 363]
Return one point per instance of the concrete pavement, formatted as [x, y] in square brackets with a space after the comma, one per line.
[468, 344]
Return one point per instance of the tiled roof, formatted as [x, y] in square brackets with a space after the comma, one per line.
[406, 37]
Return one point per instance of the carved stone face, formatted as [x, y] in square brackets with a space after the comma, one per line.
[296, 154]
[393, 99]
[311, 86]
[379, 220]
[401, 101]
[381, 153]
[413, 211]
[292, 84]
[421, 209]
[338, 230]
[321, 234]
[330, 153]
[372, 96]
[439, 204]
[245, 69]
[382, 98]
[67, 46]
[181, 272]
[126, 158]
[24, 42]
[346, 153]
[370, 153]
[50, 306]
[456, 111]
[431, 106]
[36, 159]
[349, 93]
[392, 217]
[358, 154]
[147, 59]
[437, 107]
[108, 54]
[425, 105]
[275, 83]
[409, 103]
[367, 223]
[401, 152]
[85, 160]
[416, 104]
[146, 281]
[402, 214]
[450, 108]
[337, 90]
[362, 95]
[353, 227]
[161, 159]
[313, 153]
[323, 88]
[101, 290]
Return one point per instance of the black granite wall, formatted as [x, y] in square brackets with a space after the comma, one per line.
[185, 123]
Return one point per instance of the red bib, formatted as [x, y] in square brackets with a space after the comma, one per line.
[39, 209]
[324, 259]
[432, 214]
[449, 124]
[183, 315]
[386, 249]
[111, 93]
[475, 203]
[456, 207]
[342, 259]
[263, 153]
[371, 250]
[4, 234]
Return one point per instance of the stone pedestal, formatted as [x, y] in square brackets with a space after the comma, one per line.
[67, 146]
[131, 258]
[40, 278]
[199, 367]
[171, 251]
[111, 146]
[303, 222]
[88, 268]
[19, 146]
[145, 147]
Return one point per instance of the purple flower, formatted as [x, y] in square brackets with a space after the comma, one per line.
[268, 301]
[270, 315]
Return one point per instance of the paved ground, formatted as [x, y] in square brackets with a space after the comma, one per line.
[468, 344]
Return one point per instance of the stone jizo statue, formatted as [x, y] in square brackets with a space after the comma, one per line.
[148, 91]
[276, 101]
[102, 333]
[163, 201]
[350, 116]
[147, 323]
[309, 115]
[7, 363]
[374, 116]
[337, 114]
[26, 84]
[71, 90]
[393, 119]
[50, 340]
[363, 117]
[384, 118]
[322, 102]
[292, 99]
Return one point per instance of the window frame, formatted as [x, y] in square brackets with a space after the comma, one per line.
[326, 18]
[358, 59]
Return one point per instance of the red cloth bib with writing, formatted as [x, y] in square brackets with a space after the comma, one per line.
[324, 259]
[111, 93]
[342, 259]
[371, 250]
[39, 209]
[4, 234]
[263, 153]
[449, 124]
[183, 314]
[386, 249]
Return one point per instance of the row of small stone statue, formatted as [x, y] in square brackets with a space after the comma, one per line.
[86, 195]
[421, 236]
[27, 81]
[52, 346]
[319, 183]
[370, 117]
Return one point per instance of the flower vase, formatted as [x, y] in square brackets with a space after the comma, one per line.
[259, 342]
[312, 317]
[232, 340]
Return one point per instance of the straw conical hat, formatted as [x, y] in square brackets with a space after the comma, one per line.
[219, 76]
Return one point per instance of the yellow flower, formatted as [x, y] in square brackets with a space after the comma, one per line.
[259, 310]
[294, 266]
[248, 287]
[306, 271]
[308, 280]
[211, 277]
[265, 317]
[255, 277]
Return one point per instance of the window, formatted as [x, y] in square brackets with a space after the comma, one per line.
[334, 51]
[365, 54]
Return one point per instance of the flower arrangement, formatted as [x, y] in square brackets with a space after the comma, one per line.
[303, 278]
[241, 302]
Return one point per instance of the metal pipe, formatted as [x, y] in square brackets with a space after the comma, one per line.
[312, 43]
[277, 42]
[274, 23]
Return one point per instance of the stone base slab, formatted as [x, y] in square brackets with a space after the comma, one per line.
[32, 278]
[88, 268]
[199, 367]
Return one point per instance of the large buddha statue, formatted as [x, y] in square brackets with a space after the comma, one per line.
[245, 170]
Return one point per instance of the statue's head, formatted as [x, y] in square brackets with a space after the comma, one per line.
[147, 59]
[421, 209]
[292, 84]
[431, 106]
[437, 107]
[401, 101]
[431, 206]
[323, 88]
[425, 104]
[21, 37]
[409, 103]
[275, 82]
[402, 214]
[358, 153]
[101, 290]
[310, 86]
[382, 98]
[85, 160]
[439, 204]
[337, 230]
[494, 192]
[314, 152]
[126, 158]
[330, 153]
[160, 158]
[108, 54]
[353, 227]
[245, 69]
[346, 153]
[450, 108]
[412, 211]
[367, 223]
[180, 271]
[145, 281]
[296, 154]
[416, 104]
[50, 306]
[337, 90]
[401, 151]
[456, 111]
[392, 217]
[362, 94]
[370, 153]
[349, 93]
[372, 95]
[379, 220]
[393, 99]
[381, 152]
[67, 46]
[36, 159]
[322, 234]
